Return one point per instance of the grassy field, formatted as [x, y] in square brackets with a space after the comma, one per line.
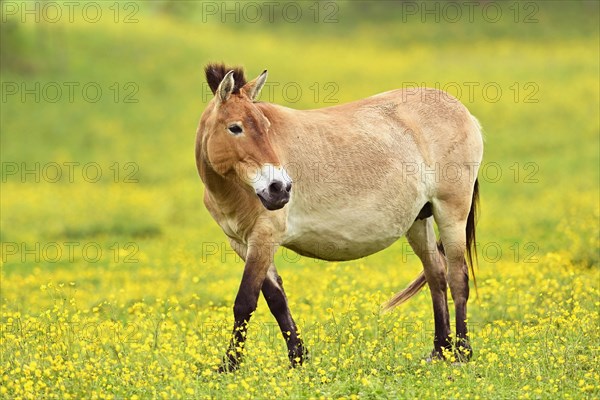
[116, 282]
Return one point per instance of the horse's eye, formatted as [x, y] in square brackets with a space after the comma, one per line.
[234, 129]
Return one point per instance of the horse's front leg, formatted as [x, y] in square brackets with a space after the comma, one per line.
[276, 299]
[258, 259]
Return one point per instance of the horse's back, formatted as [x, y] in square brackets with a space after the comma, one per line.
[397, 130]
[443, 138]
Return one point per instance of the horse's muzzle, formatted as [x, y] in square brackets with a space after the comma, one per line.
[276, 195]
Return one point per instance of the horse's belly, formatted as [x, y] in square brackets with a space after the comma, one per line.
[342, 235]
[333, 248]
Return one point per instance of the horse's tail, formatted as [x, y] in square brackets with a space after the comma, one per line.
[407, 293]
[471, 243]
[415, 286]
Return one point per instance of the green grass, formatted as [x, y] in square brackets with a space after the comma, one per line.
[535, 323]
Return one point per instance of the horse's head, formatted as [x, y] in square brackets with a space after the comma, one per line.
[235, 137]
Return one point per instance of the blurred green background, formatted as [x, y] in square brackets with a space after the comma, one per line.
[527, 70]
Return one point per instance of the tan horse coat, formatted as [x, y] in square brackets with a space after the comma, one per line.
[360, 174]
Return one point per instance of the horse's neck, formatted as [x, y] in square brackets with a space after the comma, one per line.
[290, 128]
[225, 192]
[298, 136]
[231, 205]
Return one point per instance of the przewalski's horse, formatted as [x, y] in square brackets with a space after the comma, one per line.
[391, 164]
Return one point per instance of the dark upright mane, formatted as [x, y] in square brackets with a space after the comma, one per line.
[216, 72]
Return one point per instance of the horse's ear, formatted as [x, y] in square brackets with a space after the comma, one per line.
[225, 87]
[252, 88]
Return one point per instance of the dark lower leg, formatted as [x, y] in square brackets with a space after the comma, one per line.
[463, 347]
[257, 264]
[245, 304]
[421, 237]
[441, 340]
[437, 286]
[454, 240]
[275, 296]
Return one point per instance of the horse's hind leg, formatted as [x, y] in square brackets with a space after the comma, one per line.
[277, 301]
[421, 237]
[451, 219]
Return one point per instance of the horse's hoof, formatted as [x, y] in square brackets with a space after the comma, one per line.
[435, 355]
[228, 365]
[298, 357]
[463, 353]
[226, 368]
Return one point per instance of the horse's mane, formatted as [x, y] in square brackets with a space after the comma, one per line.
[215, 72]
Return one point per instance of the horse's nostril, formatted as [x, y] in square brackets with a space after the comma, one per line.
[288, 187]
[275, 187]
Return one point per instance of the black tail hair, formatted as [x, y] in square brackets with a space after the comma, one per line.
[471, 222]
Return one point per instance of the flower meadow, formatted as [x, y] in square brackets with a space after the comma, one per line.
[135, 332]
[117, 284]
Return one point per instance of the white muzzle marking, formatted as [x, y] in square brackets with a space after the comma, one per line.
[268, 174]
[272, 185]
